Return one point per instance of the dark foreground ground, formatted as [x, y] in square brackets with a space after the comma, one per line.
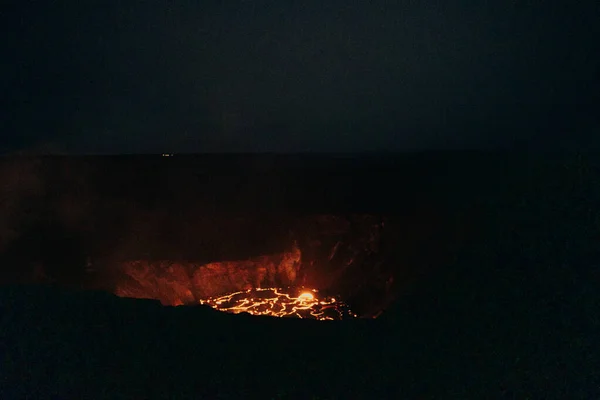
[509, 342]
[512, 314]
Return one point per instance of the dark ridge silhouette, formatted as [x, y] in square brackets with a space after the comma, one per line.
[495, 260]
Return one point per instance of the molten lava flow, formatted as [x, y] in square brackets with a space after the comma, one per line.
[276, 303]
[307, 296]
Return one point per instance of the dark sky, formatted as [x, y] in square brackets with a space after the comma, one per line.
[196, 76]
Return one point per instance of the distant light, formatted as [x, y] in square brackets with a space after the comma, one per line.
[167, 154]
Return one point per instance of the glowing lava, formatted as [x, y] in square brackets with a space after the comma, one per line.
[307, 296]
[277, 303]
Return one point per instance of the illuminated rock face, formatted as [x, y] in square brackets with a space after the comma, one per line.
[186, 283]
[168, 282]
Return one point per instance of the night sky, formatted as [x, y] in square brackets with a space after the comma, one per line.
[136, 76]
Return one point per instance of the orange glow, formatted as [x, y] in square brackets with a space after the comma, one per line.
[307, 296]
[276, 303]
